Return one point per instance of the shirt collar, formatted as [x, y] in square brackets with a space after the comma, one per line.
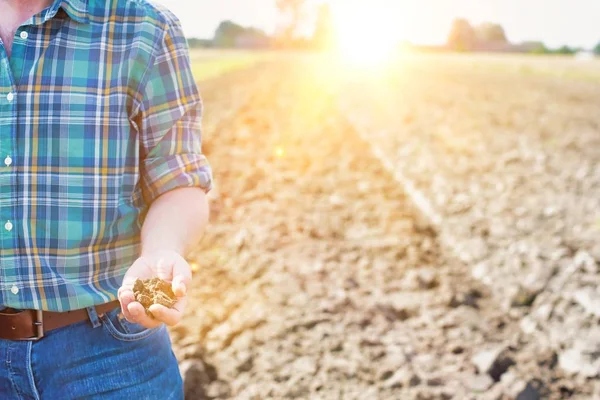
[75, 9]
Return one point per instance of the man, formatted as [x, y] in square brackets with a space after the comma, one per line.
[102, 180]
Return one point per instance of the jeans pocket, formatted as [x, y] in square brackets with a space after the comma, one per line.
[115, 323]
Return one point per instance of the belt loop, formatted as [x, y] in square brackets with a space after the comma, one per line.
[93, 316]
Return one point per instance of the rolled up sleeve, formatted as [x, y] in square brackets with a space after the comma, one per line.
[169, 122]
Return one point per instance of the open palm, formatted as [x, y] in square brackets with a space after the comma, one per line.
[166, 265]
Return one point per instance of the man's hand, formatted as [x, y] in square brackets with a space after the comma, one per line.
[167, 265]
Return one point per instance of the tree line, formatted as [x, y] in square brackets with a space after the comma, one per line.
[491, 37]
[294, 14]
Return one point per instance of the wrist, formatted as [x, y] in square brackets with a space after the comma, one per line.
[162, 251]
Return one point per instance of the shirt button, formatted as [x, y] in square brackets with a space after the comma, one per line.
[24, 35]
[14, 290]
[10, 96]
[8, 226]
[8, 161]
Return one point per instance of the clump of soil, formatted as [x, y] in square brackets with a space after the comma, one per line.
[154, 291]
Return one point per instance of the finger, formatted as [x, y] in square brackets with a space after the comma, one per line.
[182, 277]
[126, 296]
[139, 316]
[170, 316]
[134, 312]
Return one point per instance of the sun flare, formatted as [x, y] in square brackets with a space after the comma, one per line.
[364, 33]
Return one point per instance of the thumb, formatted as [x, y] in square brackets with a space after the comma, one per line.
[182, 276]
[164, 268]
[179, 286]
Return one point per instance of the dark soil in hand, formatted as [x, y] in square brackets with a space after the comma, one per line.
[154, 291]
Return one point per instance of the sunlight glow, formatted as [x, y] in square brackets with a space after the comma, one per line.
[279, 152]
[366, 33]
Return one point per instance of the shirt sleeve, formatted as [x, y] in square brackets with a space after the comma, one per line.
[169, 122]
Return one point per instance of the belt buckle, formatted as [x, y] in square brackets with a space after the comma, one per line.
[39, 324]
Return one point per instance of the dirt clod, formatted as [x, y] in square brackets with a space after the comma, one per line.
[153, 291]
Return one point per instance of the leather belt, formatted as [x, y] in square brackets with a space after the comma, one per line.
[33, 324]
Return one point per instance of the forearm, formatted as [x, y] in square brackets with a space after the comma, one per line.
[175, 221]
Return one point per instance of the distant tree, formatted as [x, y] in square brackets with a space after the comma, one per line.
[539, 48]
[597, 49]
[252, 38]
[324, 35]
[230, 34]
[291, 16]
[462, 35]
[226, 34]
[565, 50]
[488, 32]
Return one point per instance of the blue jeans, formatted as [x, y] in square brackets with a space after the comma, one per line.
[105, 357]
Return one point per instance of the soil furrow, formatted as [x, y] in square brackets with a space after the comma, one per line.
[316, 278]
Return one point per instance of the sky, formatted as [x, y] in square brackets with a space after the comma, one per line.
[556, 22]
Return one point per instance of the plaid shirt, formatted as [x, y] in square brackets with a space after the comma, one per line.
[99, 115]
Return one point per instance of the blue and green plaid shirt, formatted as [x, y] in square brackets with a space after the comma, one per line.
[99, 115]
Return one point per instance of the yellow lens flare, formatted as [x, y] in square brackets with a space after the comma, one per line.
[365, 33]
[279, 151]
[194, 267]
